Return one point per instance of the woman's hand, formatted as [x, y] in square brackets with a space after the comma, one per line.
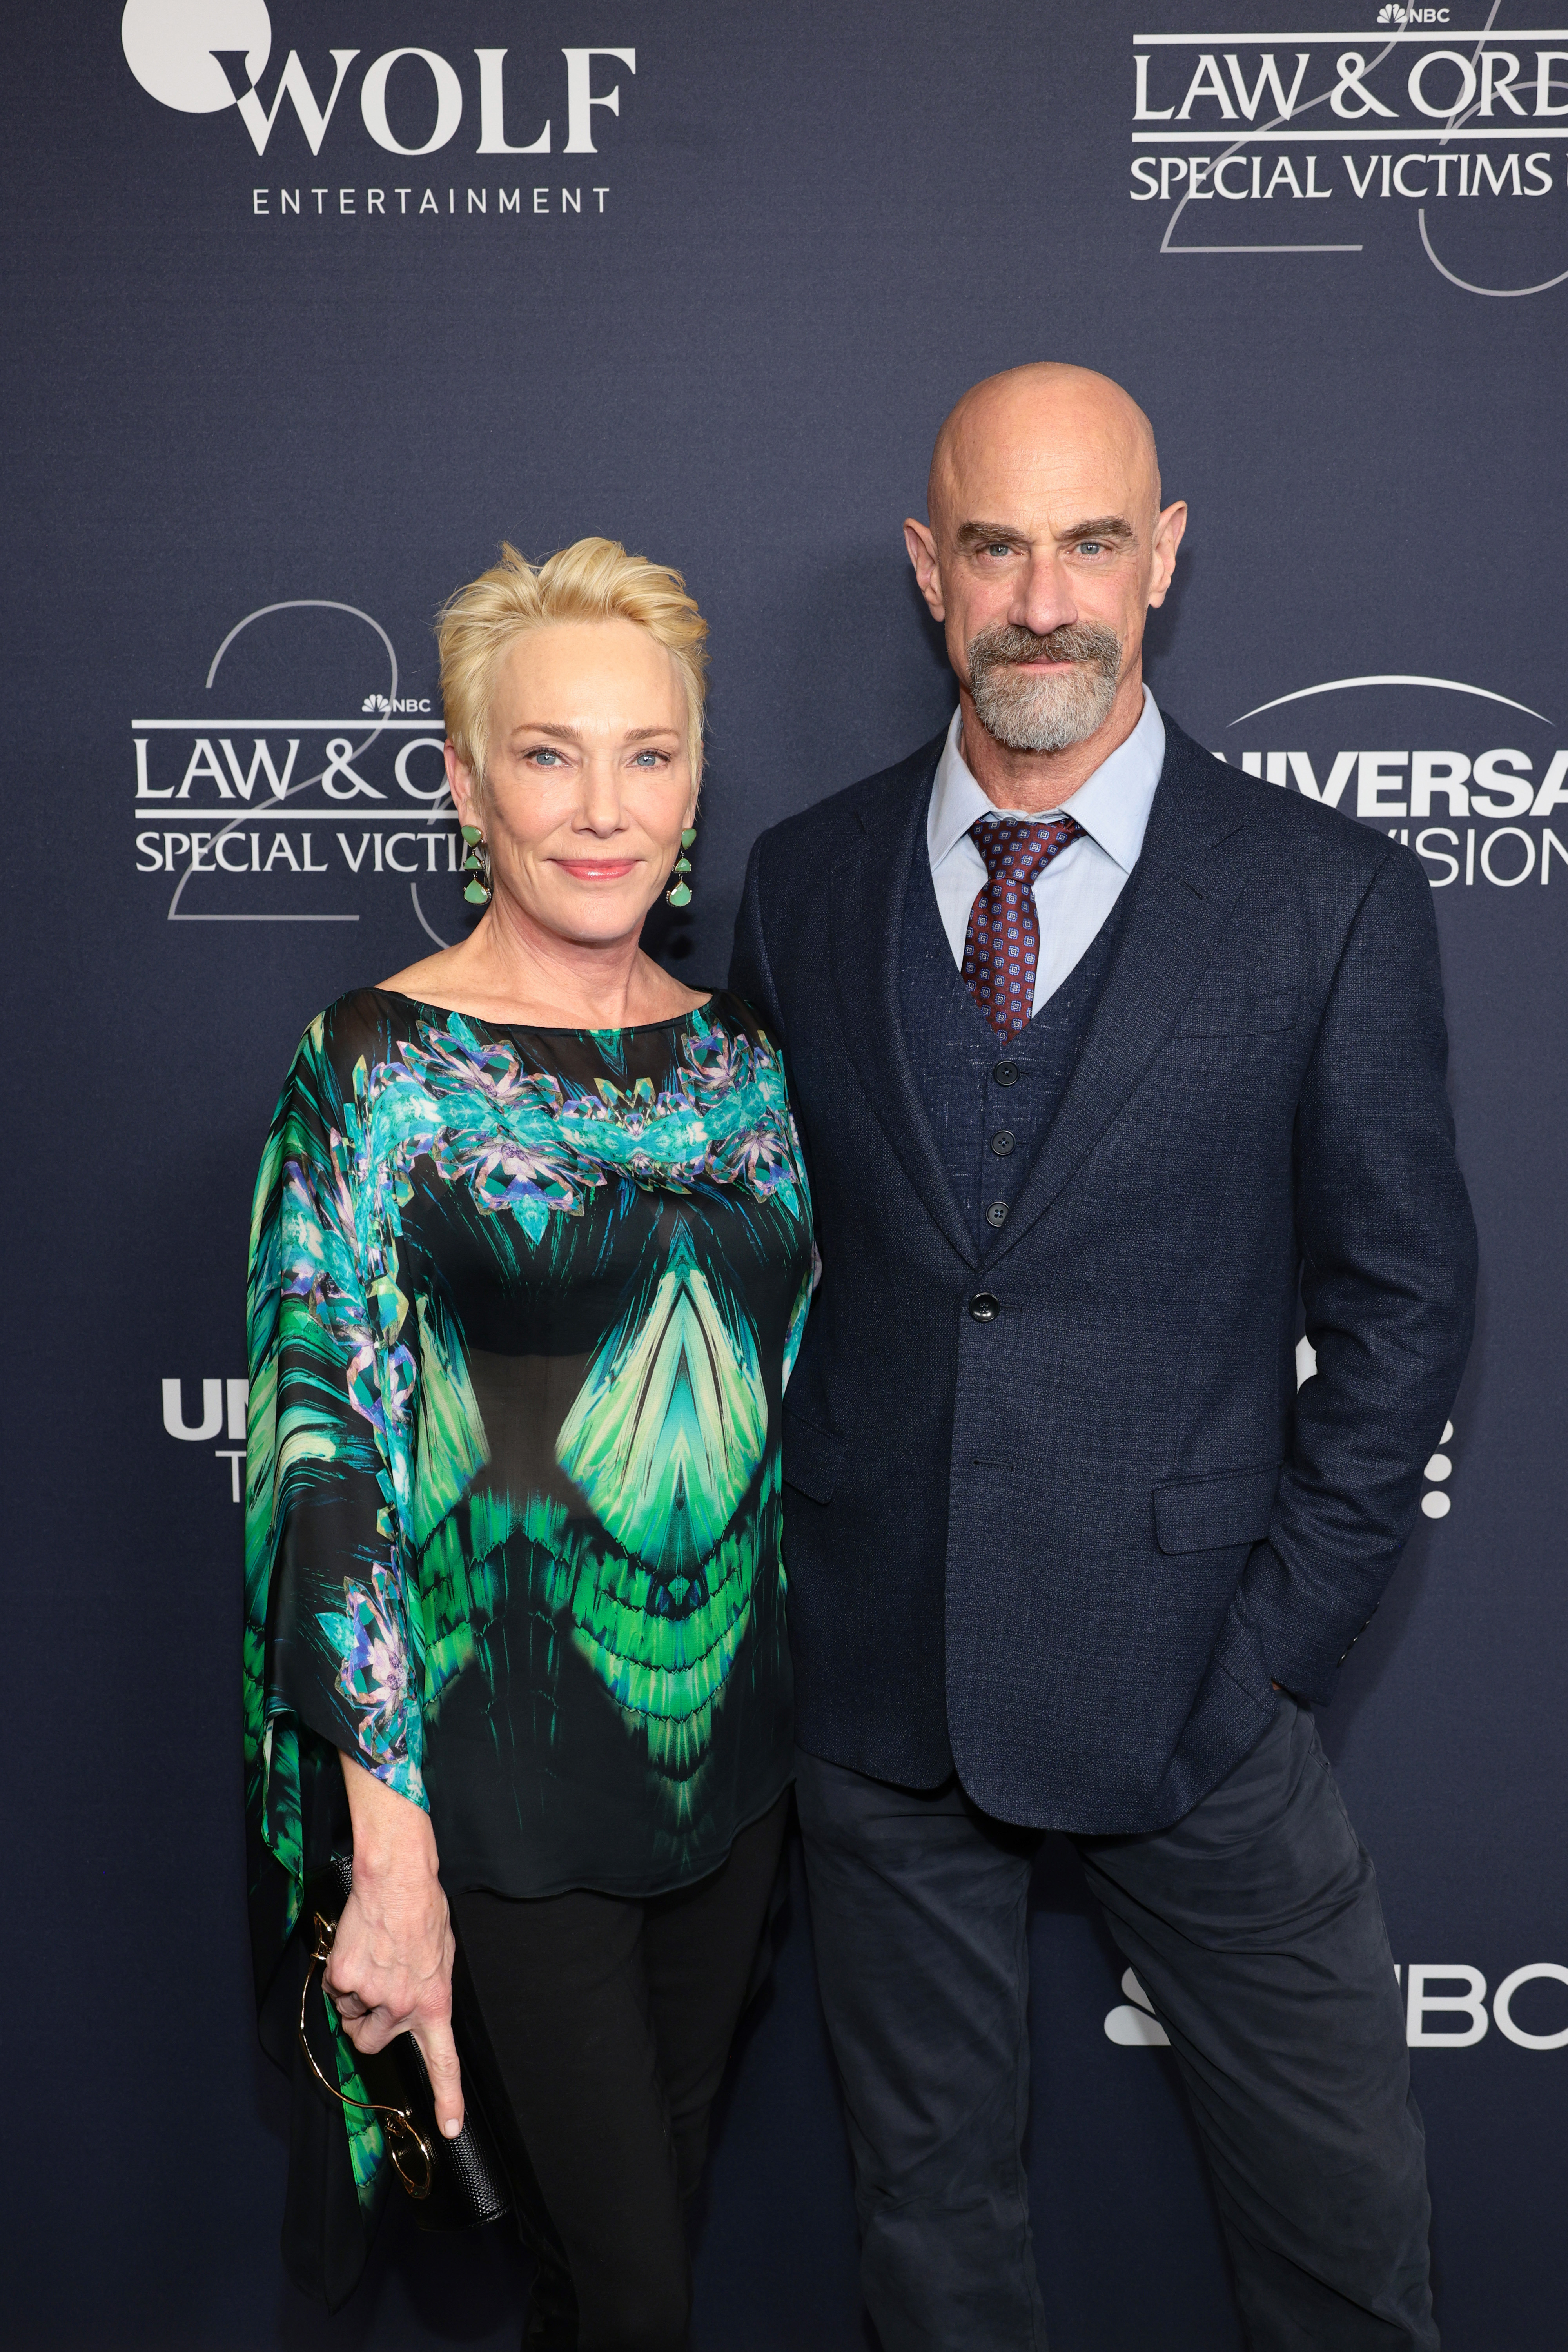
[391, 1966]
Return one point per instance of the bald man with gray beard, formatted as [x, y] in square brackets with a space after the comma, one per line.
[1115, 1068]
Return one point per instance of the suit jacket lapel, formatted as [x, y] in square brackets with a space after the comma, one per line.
[870, 879]
[1180, 895]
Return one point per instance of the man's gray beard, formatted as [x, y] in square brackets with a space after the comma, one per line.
[1043, 714]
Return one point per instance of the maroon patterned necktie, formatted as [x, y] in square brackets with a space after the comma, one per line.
[1001, 950]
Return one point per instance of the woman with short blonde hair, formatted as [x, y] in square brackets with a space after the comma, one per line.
[531, 1260]
[595, 579]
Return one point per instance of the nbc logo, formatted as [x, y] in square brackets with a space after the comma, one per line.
[1437, 1501]
[1456, 2018]
[1134, 2025]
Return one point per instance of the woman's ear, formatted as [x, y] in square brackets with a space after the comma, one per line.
[460, 784]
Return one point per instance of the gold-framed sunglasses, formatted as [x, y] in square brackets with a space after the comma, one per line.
[407, 2145]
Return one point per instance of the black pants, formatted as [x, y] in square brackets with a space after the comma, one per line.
[1255, 1928]
[603, 2029]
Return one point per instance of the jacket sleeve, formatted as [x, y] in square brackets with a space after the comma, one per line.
[1388, 1251]
[750, 975]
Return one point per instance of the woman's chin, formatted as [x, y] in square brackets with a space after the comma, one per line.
[594, 914]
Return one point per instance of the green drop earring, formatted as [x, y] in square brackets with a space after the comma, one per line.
[679, 892]
[476, 866]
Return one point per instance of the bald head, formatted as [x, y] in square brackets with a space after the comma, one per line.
[1045, 547]
[1046, 413]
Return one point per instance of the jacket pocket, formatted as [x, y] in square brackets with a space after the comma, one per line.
[1231, 1506]
[811, 1456]
[1223, 1017]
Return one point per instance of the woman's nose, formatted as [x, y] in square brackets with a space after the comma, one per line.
[599, 806]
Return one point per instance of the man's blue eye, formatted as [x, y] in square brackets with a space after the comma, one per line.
[1090, 546]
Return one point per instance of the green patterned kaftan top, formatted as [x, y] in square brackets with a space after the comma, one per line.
[522, 1305]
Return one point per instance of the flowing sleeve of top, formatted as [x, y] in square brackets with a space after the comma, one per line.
[333, 1634]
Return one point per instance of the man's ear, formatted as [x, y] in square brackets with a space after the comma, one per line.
[921, 545]
[1168, 530]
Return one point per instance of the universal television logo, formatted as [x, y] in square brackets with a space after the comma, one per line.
[1478, 813]
[224, 1405]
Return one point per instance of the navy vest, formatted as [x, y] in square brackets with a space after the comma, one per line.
[990, 1104]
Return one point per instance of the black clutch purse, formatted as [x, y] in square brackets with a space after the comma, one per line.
[454, 2184]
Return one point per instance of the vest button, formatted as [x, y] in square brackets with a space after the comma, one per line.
[1002, 1142]
[997, 1215]
[1005, 1073]
[984, 1308]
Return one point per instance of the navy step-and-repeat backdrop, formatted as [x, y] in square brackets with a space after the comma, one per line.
[310, 303]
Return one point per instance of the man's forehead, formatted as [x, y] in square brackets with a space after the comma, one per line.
[1096, 453]
[1054, 487]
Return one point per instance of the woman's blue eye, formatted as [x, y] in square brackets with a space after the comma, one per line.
[646, 759]
[544, 755]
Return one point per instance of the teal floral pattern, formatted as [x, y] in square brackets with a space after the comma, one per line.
[522, 1305]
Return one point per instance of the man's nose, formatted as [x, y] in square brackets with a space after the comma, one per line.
[1043, 599]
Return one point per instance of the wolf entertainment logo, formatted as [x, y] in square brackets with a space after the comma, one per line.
[178, 49]
[205, 57]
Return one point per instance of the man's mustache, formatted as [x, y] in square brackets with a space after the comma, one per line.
[1073, 641]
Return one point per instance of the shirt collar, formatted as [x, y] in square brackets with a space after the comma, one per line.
[1112, 804]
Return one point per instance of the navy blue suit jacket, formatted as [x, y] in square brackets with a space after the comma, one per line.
[1081, 1541]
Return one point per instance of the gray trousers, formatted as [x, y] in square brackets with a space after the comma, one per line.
[1255, 1927]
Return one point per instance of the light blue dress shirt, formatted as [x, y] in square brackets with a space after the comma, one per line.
[1078, 889]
